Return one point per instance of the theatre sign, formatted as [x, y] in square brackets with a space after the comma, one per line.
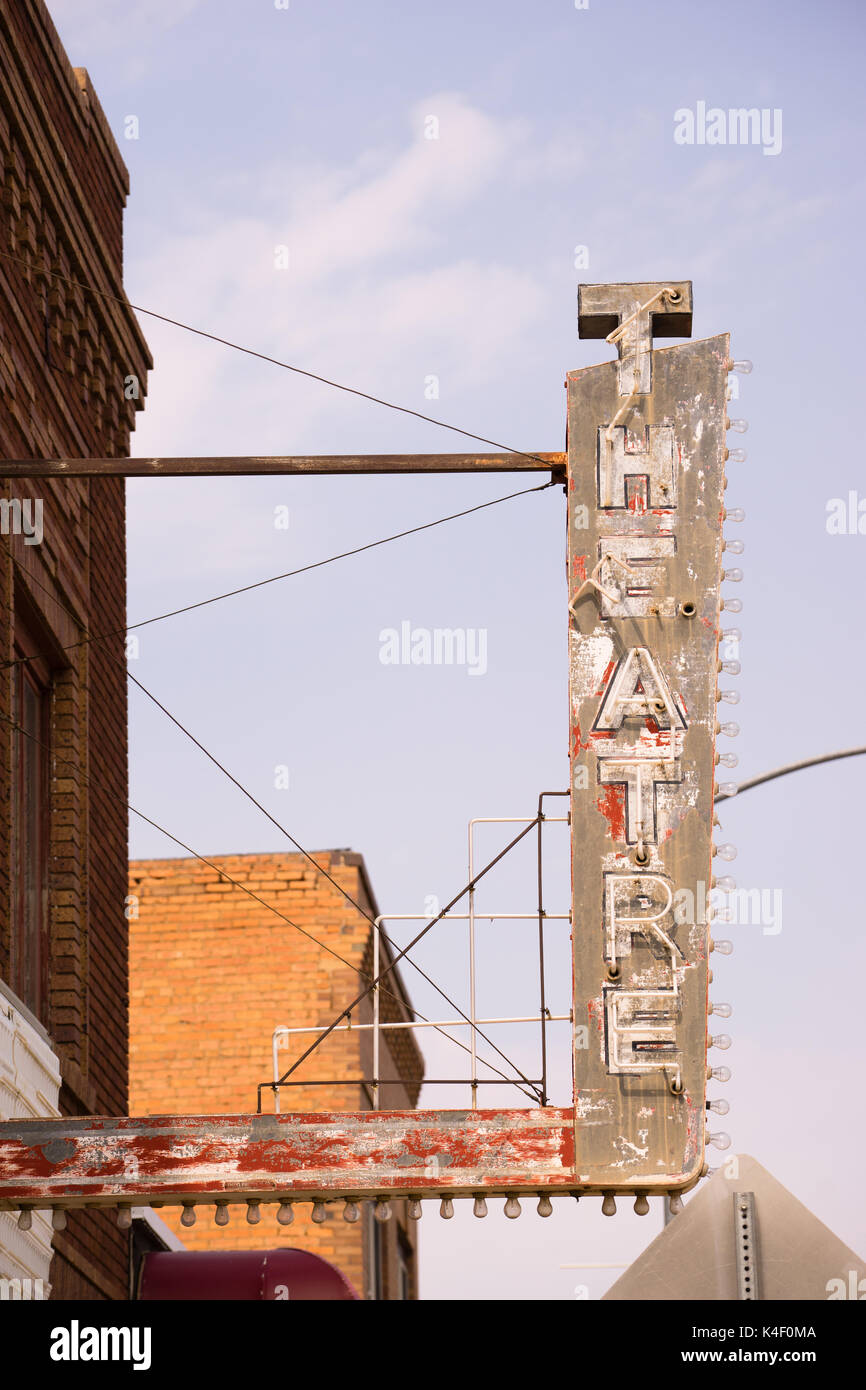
[645, 480]
[646, 456]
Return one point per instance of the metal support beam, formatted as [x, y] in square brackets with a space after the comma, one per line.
[102, 1161]
[106, 1161]
[310, 464]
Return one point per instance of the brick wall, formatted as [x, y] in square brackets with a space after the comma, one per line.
[65, 362]
[212, 974]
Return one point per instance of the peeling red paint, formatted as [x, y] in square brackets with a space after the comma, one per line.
[605, 680]
[365, 1153]
[611, 803]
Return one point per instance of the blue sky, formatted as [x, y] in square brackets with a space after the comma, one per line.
[409, 258]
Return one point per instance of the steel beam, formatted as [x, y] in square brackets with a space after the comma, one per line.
[252, 466]
[106, 1161]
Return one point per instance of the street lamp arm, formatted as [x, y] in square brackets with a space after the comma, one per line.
[794, 767]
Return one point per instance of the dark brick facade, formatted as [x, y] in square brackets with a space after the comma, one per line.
[73, 371]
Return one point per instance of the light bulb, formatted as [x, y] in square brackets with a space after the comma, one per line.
[58, 1219]
[479, 1206]
[731, 634]
[743, 366]
[725, 884]
[730, 730]
[719, 1074]
[512, 1208]
[414, 1209]
[727, 788]
[735, 514]
[254, 1213]
[736, 547]
[724, 948]
[730, 697]
[446, 1208]
[544, 1207]
[718, 1107]
[221, 1215]
[285, 1215]
[675, 1204]
[723, 1010]
[319, 1213]
[188, 1214]
[382, 1210]
[732, 605]
[720, 1140]
[732, 576]
[124, 1218]
[721, 1040]
[727, 759]
[736, 455]
[738, 426]
[25, 1219]
[608, 1206]
[726, 852]
[731, 668]
[721, 916]
[351, 1212]
[641, 1205]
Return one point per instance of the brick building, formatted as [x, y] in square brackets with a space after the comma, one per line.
[73, 369]
[213, 974]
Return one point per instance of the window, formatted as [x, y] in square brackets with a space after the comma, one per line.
[31, 693]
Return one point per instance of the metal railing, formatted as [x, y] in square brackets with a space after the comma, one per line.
[377, 1027]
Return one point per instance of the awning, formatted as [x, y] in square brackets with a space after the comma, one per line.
[239, 1275]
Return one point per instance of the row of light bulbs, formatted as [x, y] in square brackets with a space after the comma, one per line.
[730, 729]
[382, 1210]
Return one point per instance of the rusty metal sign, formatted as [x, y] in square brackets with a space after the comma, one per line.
[646, 451]
[645, 480]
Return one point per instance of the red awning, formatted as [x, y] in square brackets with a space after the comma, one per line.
[238, 1275]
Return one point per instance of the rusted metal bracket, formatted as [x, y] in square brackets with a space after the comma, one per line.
[307, 464]
[181, 1159]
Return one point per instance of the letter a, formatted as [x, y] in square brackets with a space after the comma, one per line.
[637, 689]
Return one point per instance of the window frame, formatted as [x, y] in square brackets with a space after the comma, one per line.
[30, 924]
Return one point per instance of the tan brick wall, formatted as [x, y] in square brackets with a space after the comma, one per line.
[212, 974]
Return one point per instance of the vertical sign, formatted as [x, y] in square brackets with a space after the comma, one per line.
[646, 450]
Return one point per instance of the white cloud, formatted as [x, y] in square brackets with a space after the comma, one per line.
[379, 292]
